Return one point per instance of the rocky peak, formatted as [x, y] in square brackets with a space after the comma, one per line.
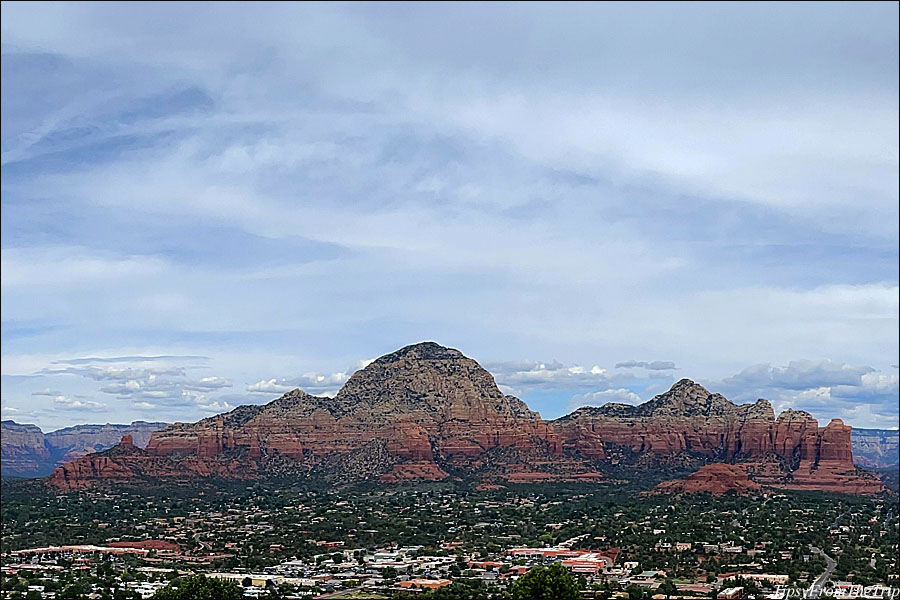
[795, 416]
[429, 377]
[422, 351]
[127, 441]
[761, 409]
[686, 398]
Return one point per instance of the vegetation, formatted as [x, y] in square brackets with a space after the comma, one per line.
[199, 587]
[546, 583]
[246, 528]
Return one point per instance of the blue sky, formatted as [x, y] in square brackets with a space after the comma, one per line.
[206, 205]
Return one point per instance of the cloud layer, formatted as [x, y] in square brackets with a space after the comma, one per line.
[707, 186]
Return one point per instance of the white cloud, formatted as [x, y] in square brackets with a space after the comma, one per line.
[311, 383]
[655, 365]
[799, 374]
[618, 395]
[508, 187]
[269, 386]
[215, 407]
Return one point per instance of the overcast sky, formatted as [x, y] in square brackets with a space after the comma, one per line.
[207, 205]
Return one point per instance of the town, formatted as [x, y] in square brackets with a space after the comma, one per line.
[448, 541]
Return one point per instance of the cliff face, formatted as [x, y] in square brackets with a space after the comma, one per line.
[790, 452]
[24, 449]
[428, 412]
[687, 418]
[875, 448]
[29, 452]
[825, 463]
[423, 412]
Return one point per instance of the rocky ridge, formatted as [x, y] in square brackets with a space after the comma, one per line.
[426, 412]
[29, 452]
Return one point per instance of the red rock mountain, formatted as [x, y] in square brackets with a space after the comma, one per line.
[714, 478]
[26, 451]
[428, 412]
[686, 419]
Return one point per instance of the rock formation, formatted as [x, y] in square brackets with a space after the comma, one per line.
[427, 412]
[688, 423]
[24, 450]
[29, 452]
[714, 478]
[875, 448]
[423, 412]
[686, 419]
[825, 463]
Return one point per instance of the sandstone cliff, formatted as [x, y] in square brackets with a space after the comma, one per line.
[24, 450]
[875, 448]
[686, 419]
[427, 412]
[27, 451]
[423, 412]
[689, 423]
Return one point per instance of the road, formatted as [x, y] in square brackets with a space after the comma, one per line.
[830, 565]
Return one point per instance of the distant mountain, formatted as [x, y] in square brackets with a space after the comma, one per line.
[875, 448]
[426, 412]
[26, 451]
[891, 478]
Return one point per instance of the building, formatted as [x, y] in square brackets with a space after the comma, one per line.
[732, 593]
[423, 584]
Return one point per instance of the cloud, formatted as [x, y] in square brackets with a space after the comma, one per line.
[584, 182]
[270, 386]
[800, 374]
[823, 387]
[130, 359]
[656, 365]
[552, 375]
[215, 407]
[68, 403]
[69, 266]
[618, 395]
[65, 402]
[147, 387]
[313, 383]
[116, 373]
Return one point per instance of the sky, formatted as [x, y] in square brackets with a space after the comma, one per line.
[206, 205]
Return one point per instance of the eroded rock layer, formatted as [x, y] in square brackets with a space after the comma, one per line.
[427, 412]
[27, 451]
[714, 478]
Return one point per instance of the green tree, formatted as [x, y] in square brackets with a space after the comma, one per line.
[545, 583]
[668, 588]
[72, 592]
[636, 592]
[199, 587]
